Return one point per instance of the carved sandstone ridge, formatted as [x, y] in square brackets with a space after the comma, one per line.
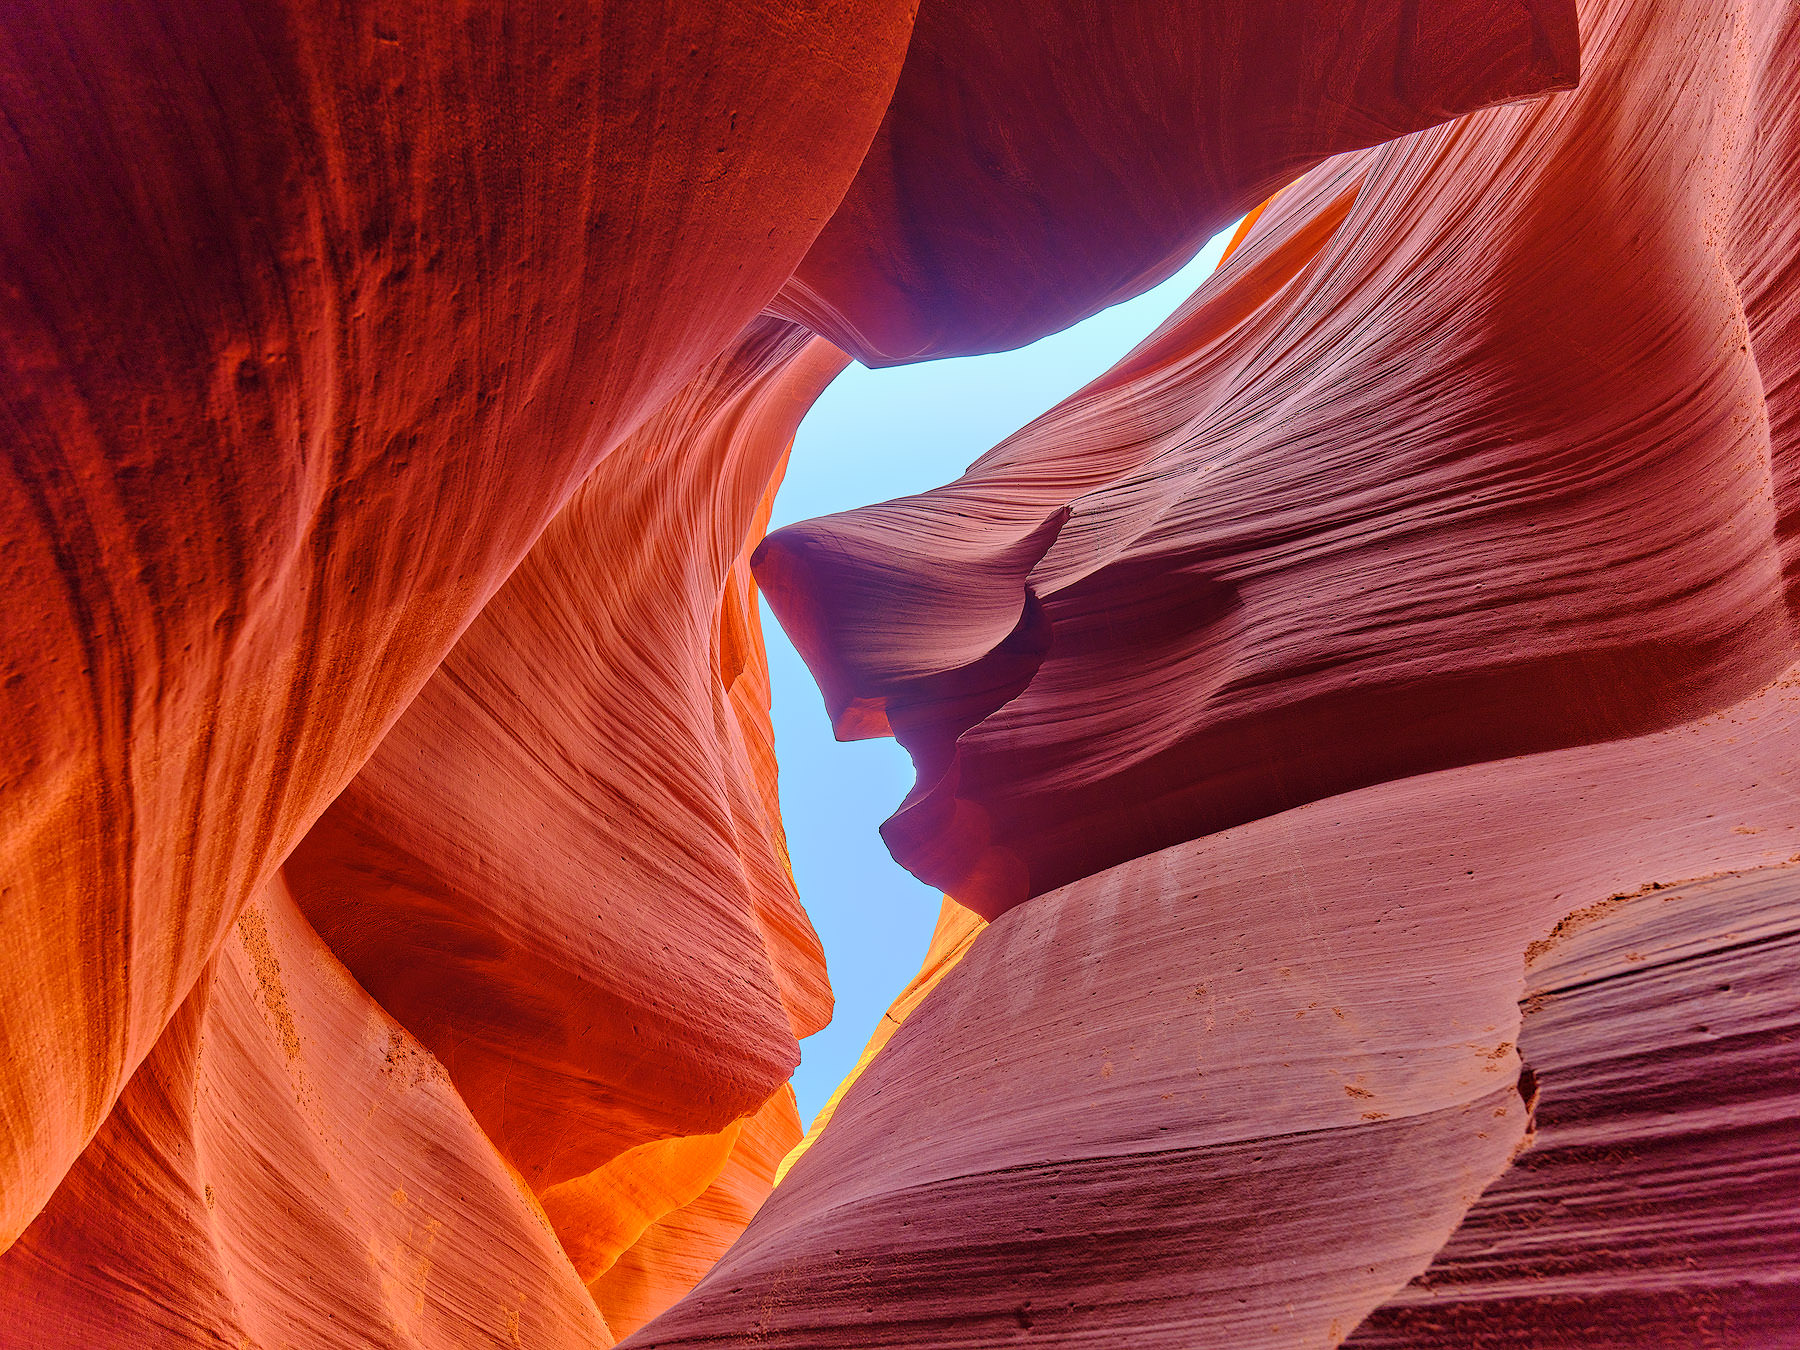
[563, 868]
[1241, 1091]
[313, 319]
[982, 218]
[290, 1166]
[1390, 493]
[400, 943]
[543, 934]
[1656, 1204]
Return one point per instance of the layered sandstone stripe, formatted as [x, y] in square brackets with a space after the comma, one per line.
[290, 1167]
[1391, 492]
[564, 868]
[1043, 159]
[1243, 1090]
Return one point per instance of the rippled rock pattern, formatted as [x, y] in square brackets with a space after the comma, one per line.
[983, 217]
[485, 876]
[1388, 494]
[1243, 1090]
[1355, 735]
[313, 320]
[289, 1166]
[1656, 1205]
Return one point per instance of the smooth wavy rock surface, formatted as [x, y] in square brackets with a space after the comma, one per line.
[314, 318]
[1416, 594]
[1656, 1206]
[987, 213]
[671, 1255]
[1391, 492]
[290, 1167]
[1243, 1090]
[564, 869]
[499, 880]
[1386, 670]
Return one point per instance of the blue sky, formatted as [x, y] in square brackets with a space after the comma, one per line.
[876, 434]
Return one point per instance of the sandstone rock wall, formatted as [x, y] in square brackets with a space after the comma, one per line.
[1354, 734]
[1416, 597]
[314, 318]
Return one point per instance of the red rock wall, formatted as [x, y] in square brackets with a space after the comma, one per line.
[1383, 673]
[1241, 1091]
[564, 871]
[290, 1167]
[313, 318]
[1656, 1206]
[561, 868]
[1419, 588]
[166, 1231]
[1043, 159]
[1389, 494]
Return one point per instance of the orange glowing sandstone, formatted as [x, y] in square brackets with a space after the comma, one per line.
[956, 929]
[290, 1167]
[675, 1252]
[391, 839]
[312, 319]
[564, 867]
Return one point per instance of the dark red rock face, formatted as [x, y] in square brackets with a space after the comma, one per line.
[1368, 715]
[1241, 1091]
[982, 218]
[1656, 1206]
[1389, 494]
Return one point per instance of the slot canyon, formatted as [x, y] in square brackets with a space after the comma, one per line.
[1355, 737]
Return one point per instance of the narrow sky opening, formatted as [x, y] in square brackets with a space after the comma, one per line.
[873, 435]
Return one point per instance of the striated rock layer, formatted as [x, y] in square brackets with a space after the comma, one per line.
[1656, 1206]
[1043, 159]
[1392, 492]
[563, 868]
[1415, 597]
[288, 1167]
[313, 319]
[1241, 1091]
[1355, 734]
